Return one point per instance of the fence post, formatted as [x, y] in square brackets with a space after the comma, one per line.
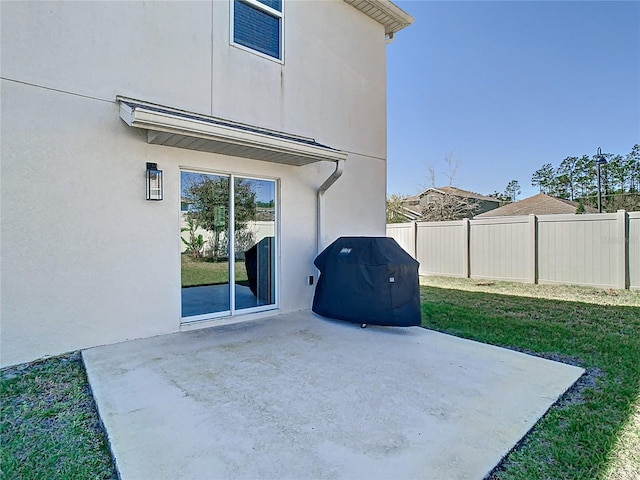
[622, 250]
[533, 253]
[415, 239]
[466, 254]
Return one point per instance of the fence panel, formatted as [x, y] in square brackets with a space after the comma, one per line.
[502, 248]
[442, 248]
[600, 250]
[634, 250]
[580, 250]
[405, 235]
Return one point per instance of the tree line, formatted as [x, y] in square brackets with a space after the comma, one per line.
[575, 178]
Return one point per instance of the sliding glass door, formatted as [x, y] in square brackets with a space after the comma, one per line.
[222, 277]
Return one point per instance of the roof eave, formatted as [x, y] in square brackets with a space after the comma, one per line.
[385, 12]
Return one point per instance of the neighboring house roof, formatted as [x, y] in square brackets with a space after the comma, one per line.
[540, 204]
[453, 191]
[385, 12]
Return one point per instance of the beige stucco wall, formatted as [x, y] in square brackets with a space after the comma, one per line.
[85, 259]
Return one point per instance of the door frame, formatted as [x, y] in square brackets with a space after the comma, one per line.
[233, 312]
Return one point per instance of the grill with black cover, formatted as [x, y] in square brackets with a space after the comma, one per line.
[368, 280]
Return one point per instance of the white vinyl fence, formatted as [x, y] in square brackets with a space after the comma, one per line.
[259, 230]
[601, 250]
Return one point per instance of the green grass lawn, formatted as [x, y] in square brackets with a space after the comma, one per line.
[205, 271]
[593, 431]
[49, 427]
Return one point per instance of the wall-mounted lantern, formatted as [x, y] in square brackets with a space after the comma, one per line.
[600, 160]
[154, 182]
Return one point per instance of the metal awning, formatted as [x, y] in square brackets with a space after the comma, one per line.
[177, 128]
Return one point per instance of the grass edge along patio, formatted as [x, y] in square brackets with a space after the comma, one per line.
[592, 432]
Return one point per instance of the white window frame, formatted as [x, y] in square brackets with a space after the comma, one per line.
[266, 9]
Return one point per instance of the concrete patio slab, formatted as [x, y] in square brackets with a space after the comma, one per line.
[302, 397]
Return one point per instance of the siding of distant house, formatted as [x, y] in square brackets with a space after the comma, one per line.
[485, 204]
[85, 259]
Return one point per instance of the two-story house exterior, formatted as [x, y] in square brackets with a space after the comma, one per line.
[277, 106]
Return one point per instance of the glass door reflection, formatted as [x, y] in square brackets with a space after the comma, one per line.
[254, 242]
[228, 237]
[204, 234]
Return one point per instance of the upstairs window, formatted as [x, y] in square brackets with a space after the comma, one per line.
[257, 25]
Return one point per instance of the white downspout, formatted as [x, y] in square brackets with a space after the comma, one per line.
[321, 191]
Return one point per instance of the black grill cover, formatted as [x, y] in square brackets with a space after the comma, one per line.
[368, 280]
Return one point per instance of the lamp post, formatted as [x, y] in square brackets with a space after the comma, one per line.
[600, 160]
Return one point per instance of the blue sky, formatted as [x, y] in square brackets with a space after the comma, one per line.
[507, 86]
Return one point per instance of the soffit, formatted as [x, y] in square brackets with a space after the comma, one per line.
[385, 12]
[177, 128]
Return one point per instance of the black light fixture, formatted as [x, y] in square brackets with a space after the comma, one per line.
[600, 160]
[154, 182]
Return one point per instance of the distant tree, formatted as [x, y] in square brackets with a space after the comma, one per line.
[585, 176]
[207, 198]
[500, 196]
[195, 241]
[561, 187]
[447, 206]
[617, 170]
[621, 201]
[576, 179]
[543, 178]
[443, 205]
[569, 172]
[512, 190]
[620, 178]
[632, 162]
[452, 164]
[394, 208]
